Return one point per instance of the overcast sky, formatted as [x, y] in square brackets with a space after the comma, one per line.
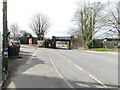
[60, 12]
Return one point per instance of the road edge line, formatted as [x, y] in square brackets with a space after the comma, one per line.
[60, 73]
[97, 80]
[78, 67]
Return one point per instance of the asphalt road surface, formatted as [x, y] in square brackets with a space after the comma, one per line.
[59, 68]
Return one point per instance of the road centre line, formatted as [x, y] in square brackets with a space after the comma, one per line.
[85, 70]
[78, 67]
[71, 62]
[31, 57]
[97, 80]
[60, 73]
[66, 59]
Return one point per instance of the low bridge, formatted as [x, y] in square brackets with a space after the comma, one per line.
[55, 42]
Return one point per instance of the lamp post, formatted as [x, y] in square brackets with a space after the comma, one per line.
[5, 39]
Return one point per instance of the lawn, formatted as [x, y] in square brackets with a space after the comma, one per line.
[102, 49]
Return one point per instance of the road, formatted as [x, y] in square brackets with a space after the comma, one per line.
[59, 68]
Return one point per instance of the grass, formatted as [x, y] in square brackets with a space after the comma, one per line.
[102, 49]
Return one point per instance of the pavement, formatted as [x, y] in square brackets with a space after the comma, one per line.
[104, 52]
[59, 68]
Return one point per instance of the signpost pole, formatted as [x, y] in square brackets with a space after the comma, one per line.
[5, 39]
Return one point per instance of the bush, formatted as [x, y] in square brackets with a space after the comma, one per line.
[96, 43]
[24, 40]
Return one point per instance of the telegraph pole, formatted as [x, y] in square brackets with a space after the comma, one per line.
[119, 12]
[5, 39]
[119, 20]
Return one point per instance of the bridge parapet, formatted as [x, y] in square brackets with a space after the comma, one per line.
[62, 38]
[52, 43]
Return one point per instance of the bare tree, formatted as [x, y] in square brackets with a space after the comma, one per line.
[40, 24]
[112, 18]
[89, 21]
[14, 30]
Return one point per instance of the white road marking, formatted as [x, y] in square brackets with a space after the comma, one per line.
[84, 70]
[97, 80]
[98, 52]
[69, 61]
[11, 85]
[78, 67]
[83, 85]
[31, 57]
[60, 73]
[94, 52]
[66, 58]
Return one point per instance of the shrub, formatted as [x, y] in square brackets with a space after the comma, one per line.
[95, 43]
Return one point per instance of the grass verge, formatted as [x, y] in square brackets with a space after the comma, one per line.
[102, 49]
